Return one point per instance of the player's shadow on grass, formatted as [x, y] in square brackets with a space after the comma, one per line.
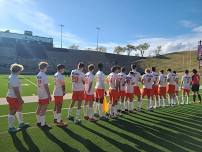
[85, 142]
[17, 143]
[119, 145]
[65, 147]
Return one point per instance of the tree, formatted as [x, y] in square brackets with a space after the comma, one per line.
[142, 48]
[119, 49]
[158, 50]
[102, 49]
[74, 47]
[129, 48]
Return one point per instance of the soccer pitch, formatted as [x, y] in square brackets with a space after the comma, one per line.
[164, 130]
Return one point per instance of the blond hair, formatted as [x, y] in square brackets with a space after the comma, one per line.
[15, 68]
[147, 70]
[42, 65]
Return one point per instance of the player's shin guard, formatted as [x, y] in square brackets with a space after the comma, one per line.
[100, 109]
[187, 101]
[90, 112]
[42, 120]
[59, 117]
[38, 118]
[182, 100]
[19, 117]
[11, 121]
[78, 114]
[95, 107]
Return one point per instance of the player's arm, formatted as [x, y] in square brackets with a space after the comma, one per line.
[18, 95]
[63, 86]
[47, 91]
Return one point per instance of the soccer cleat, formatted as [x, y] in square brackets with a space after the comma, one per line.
[92, 119]
[38, 124]
[70, 118]
[46, 127]
[13, 130]
[61, 124]
[86, 117]
[77, 121]
[103, 118]
[23, 125]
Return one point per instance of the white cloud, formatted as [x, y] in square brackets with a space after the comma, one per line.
[187, 23]
[197, 29]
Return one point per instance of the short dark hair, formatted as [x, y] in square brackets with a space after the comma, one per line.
[133, 66]
[113, 68]
[186, 71]
[194, 71]
[169, 70]
[131, 72]
[100, 66]
[91, 67]
[153, 68]
[123, 69]
[174, 72]
[81, 65]
[162, 71]
[118, 67]
[60, 66]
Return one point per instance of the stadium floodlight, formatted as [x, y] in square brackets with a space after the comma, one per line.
[98, 29]
[61, 26]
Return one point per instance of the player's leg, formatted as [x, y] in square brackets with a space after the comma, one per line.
[42, 116]
[85, 108]
[11, 116]
[54, 113]
[123, 103]
[183, 96]
[38, 117]
[187, 96]
[78, 112]
[90, 111]
[19, 117]
[70, 111]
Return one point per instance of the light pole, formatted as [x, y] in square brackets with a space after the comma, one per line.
[61, 26]
[98, 29]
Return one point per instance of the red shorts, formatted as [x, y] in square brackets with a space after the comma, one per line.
[137, 91]
[122, 94]
[99, 93]
[43, 101]
[13, 103]
[77, 95]
[58, 99]
[113, 95]
[185, 91]
[89, 97]
[171, 89]
[155, 90]
[147, 92]
[162, 91]
[129, 96]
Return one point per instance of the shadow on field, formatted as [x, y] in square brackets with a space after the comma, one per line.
[61, 144]
[85, 142]
[17, 143]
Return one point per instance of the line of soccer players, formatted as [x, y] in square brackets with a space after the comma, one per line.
[122, 89]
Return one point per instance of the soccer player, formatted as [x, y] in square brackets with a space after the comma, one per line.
[147, 81]
[78, 81]
[176, 87]
[196, 85]
[99, 92]
[113, 91]
[155, 88]
[59, 92]
[171, 87]
[89, 94]
[185, 85]
[136, 88]
[162, 82]
[43, 95]
[129, 89]
[14, 99]
[122, 77]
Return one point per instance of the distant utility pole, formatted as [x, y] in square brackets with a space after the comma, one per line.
[61, 26]
[98, 29]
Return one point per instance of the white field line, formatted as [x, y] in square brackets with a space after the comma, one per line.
[30, 82]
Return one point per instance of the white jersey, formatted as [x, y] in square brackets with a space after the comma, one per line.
[137, 77]
[100, 80]
[122, 77]
[89, 80]
[130, 79]
[148, 80]
[78, 77]
[112, 80]
[13, 81]
[171, 78]
[42, 80]
[186, 81]
[58, 83]
[176, 83]
[155, 77]
[162, 80]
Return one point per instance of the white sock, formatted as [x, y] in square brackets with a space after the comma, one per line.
[90, 112]
[132, 105]
[19, 117]
[11, 121]
[150, 103]
[54, 114]
[78, 113]
[182, 99]
[58, 117]
[187, 100]
[42, 119]
[100, 109]
[115, 109]
[38, 118]
[95, 106]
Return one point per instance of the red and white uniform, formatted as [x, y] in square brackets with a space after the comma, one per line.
[176, 84]
[129, 89]
[100, 85]
[186, 83]
[112, 81]
[78, 79]
[89, 92]
[42, 80]
[162, 84]
[122, 76]
[13, 81]
[148, 81]
[155, 85]
[171, 82]
[59, 82]
[137, 78]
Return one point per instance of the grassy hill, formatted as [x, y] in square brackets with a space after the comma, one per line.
[178, 61]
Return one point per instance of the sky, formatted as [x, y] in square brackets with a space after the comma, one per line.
[176, 25]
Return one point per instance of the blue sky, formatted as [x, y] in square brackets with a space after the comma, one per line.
[176, 25]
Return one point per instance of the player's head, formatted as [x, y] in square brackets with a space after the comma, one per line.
[91, 67]
[81, 66]
[131, 72]
[114, 69]
[169, 70]
[133, 67]
[100, 66]
[147, 70]
[186, 71]
[123, 69]
[174, 72]
[43, 66]
[153, 69]
[118, 68]
[162, 71]
[16, 68]
[61, 68]
[194, 71]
